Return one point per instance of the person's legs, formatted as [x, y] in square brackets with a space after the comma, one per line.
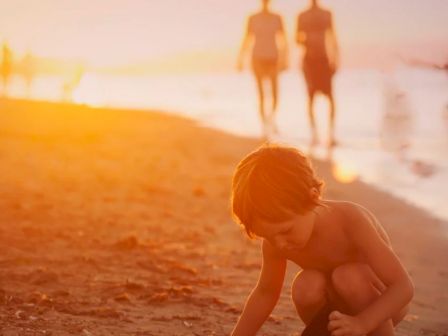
[331, 137]
[357, 286]
[314, 137]
[274, 90]
[259, 71]
[274, 86]
[309, 294]
[260, 89]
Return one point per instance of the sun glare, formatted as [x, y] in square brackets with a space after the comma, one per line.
[344, 173]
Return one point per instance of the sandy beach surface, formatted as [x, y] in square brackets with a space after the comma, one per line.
[116, 222]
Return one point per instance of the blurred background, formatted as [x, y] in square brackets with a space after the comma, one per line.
[180, 57]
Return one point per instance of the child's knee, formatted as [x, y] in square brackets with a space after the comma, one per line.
[353, 281]
[309, 288]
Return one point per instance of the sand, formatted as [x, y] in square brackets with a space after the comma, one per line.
[117, 222]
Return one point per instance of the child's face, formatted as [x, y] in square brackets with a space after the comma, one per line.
[289, 235]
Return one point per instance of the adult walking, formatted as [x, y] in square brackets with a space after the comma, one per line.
[266, 34]
[316, 34]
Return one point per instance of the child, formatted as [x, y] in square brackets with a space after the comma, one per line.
[345, 254]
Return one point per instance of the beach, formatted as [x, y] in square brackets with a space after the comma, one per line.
[117, 222]
[385, 123]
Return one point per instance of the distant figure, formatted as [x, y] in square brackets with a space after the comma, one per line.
[316, 34]
[72, 82]
[269, 56]
[6, 67]
[28, 70]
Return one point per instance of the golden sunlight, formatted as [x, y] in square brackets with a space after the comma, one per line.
[344, 173]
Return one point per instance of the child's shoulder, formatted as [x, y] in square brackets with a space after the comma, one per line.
[359, 219]
[352, 210]
[351, 214]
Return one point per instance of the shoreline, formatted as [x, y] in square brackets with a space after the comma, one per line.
[210, 104]
[116, 221]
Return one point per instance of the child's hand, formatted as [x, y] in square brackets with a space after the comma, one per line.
[345, 325]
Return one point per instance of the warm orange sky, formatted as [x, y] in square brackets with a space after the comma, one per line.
[113, 32]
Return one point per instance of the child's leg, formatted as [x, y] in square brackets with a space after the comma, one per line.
[309, 293]
[357, 285]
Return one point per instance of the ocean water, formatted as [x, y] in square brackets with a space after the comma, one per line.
[392, 128]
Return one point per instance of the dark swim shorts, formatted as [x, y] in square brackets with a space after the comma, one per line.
[319, 324]
[318, 75]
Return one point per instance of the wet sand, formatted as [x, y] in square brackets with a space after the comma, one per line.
[117, 222]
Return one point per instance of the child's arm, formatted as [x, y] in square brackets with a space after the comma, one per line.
[265, 295]
[386, 265]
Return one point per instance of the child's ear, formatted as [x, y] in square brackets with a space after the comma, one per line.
[314, 194]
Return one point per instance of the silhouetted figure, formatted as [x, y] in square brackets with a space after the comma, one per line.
[267, 36]
[28, 71]
[316, 34]
[6, 67]
[71, 83]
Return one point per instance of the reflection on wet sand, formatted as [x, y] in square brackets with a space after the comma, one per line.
[397, 130]
[397, 120]
[343, 171]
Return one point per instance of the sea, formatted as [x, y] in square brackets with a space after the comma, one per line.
[391, 126]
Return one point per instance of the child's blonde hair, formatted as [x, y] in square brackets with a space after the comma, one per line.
[271, 184]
